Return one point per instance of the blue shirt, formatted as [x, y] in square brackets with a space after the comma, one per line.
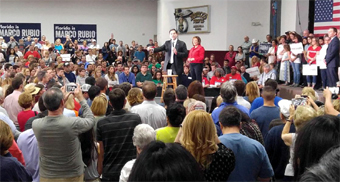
[140, 55]
[251, 54]
[29, 146]
[263, 116]
[250, 156]
[130, 78]
[70, 77]
[216, 113]
[258, 102]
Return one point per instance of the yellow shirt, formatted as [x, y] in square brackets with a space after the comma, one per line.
[167, 134]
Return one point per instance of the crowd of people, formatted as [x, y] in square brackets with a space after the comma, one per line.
[95, 117]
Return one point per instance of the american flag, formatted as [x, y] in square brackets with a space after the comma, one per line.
[327, 15]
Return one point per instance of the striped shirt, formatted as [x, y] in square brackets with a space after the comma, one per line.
[116, 131]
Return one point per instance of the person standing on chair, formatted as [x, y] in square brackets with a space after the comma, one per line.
[332, 58]
[195, 58]
[176, 51]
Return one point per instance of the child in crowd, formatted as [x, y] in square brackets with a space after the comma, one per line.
[26, 102]
[81, 76]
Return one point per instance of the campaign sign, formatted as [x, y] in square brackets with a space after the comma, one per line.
[80, 32]
[20, 30]
[264, 47]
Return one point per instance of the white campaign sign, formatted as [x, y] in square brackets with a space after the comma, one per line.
[309, 70]
[296, 48]
[65, 57]
[320, 61]
[254, 71]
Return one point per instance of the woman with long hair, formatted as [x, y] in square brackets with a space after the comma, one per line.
[198, 135]
[313, 50]
[112, 56]
[135, 97]
[105, 50]
[240, 56]
[135, 70]
[195, 87]
[11, 56]
[111, 77]
[97, 73]
[195, 58]
[284, 69]
[252, 92]
[58, 46]
[158, 78]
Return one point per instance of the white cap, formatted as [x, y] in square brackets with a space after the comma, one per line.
[284, 105]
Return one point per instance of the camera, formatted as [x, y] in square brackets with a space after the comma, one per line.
[71, 87]
[299, 101]
[335, 92]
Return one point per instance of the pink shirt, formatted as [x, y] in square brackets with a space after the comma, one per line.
[12, 106]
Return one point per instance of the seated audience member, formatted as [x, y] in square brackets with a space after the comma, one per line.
[143, 134]
[158, 79]
[143, 76]
[199, 97]
[58, 139]
[93, 92]
[211, 73]
[150, 112]
[26, 102]
[168, 97]
[266, 75]
[277, 150]
[43, 113]
[196, 105]
[186, 76]
[81, 76]
[247, 151]
[195, 87]
[205, 81]
[300, 116]
[114, 152]
[240, 88]
[244, 74]
[198, 136]
[252, 92]
[90, 80]
[218, 78]
[10, 168]
[11, 103]
[258, 102]
[233, 75]
[314, 139]
[68, 73]
[228, 93]
[327, 169]
[126, 76]
[266, 113]
[126, 87]
[135, 97]
[250, 128]
[226, 67]
[181, 94]
[175, 115]
[165, 162]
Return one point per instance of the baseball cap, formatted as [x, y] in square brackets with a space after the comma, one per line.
[66, 64]
[85, 87]
[284, 105]
[234, 67]
[197, 105]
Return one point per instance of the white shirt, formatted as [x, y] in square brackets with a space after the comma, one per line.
[265, 76]
[126, 170]
[94, 46]
[241, 101]
[151, 113]
[19, 53]
[173, 44]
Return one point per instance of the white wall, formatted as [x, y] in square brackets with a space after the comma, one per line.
[127, 19]
[230, 21]
[290, 16]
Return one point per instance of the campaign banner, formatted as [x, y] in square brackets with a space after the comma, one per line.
[20, 30]
[296, 48]
[264, 47]
[80, 32]
[309, 70]
[253, 71]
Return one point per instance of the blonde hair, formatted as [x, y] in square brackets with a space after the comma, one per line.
[336, 105]
[320, 111]
[135, 96]
[254, 59]
[99, 105]
[252, 91]
[302, 115]
[25, 100]
[95, 73]
[309, 91]
[199, 136]
[69, 103]
[6, 137]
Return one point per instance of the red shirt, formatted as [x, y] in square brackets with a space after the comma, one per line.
[215, 79]
[256, 64]
[34, 53]
[23, 116]
[312, 53]
[16, 152]
[231, 57]
[233, 77]
[197, 53]
[205, 80]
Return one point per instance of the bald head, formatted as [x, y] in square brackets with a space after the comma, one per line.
[246, 38]
[53, 97]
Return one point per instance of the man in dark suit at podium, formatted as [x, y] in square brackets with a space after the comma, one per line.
[175, 52]
[332, 58]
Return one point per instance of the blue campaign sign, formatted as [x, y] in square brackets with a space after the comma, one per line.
[20, 30]
[80, 32]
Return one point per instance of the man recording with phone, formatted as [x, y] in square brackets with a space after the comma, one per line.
[57, 136]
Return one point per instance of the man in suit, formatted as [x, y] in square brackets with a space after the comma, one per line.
[332, 58]
[175, 52]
